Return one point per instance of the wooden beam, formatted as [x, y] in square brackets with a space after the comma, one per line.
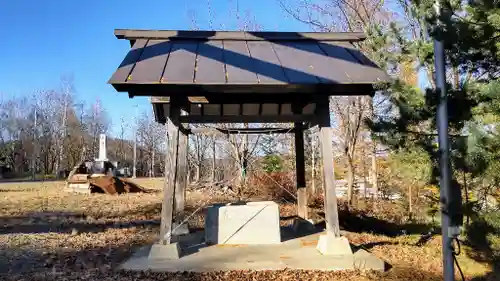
[257, 90]
[241, 98]
[247, 119]
[300, 167]
[243, 131]
[325, 140]
[170, 175]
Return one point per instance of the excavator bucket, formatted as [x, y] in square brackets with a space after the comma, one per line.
[113, 185]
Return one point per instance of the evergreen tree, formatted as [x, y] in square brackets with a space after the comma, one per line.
[470, 33]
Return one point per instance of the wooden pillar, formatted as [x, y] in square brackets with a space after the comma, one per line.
[171, 158]
[300, 167]
[181, 178]
[326, 143]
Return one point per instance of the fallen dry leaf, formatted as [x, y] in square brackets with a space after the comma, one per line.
[47, 234]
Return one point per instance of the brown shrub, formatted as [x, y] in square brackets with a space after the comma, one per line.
[277, 186]
[316, 201]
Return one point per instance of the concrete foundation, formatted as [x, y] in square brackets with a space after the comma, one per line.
[334, 246]
[363, 260]
[298, 253]
[253, 223]
[165, 252]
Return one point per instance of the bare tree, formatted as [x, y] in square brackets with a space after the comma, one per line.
[67, 89]
[238, 148]
[349, 113]
[337, 15]
[32, 135]
[346, 15]
[149, 136]
[97, 122]
[121, 149]
[198, 152]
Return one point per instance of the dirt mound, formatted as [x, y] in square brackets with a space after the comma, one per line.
[113, 185]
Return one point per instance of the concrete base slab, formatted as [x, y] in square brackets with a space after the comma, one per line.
[364, 260]
[298, 253]
[334, 246]
[165, 252]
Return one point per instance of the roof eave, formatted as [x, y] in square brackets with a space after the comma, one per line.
[134, 34]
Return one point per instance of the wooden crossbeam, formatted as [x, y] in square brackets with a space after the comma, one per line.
[247, 119]
[242, 131]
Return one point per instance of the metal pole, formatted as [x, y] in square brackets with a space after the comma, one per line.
[444, 160]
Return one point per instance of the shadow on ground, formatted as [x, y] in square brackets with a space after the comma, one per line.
[73, 227]
[100, 263]
[479, 235]
[359, 221]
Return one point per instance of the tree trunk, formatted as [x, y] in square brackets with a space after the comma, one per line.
[213, 160]
[244, 163]
[244, 168]
[198, 172]
[466, 191]
[313, 167]
[365, 178]
[410, 204]
[374, 171]
[153, 163]
[350, 181]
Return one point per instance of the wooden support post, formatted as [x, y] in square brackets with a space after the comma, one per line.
[325, 140]
[300, 168]
[170, 175]
[181, 180]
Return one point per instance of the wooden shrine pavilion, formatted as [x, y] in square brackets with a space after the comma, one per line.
[244, 77]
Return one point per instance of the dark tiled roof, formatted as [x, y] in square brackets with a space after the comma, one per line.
[256, 59]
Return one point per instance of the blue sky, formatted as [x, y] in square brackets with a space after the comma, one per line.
[43, 40]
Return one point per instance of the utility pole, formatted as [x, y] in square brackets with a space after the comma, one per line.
[448, 232]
